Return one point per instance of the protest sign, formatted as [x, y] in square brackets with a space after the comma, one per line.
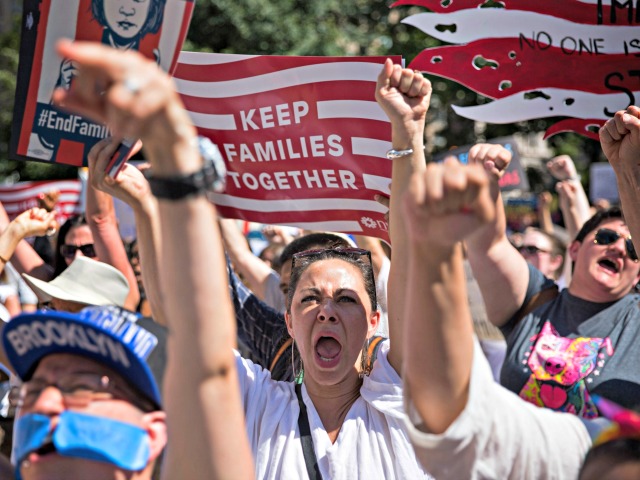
[18, 197]
[43, 132]
[303, 137]
[514, 177]
[603, 183]
[536, 59]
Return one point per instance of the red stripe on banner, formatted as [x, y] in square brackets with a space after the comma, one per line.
[34, 81]
[572, 10]
[588, 128]
[512, 65]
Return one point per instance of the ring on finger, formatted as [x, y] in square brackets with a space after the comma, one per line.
[132, 84]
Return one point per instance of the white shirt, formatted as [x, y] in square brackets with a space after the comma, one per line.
[372, 444]
[500, 436]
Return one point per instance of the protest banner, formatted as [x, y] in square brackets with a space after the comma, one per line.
[43, 132]
[303, 137]
[18, 197]
[514, 177]
[536, 59]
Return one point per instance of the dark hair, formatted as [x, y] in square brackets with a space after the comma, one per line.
[311, 241]
[365, 268]
[151, 25]
[60, 264]
[601, 458]
[593, 223]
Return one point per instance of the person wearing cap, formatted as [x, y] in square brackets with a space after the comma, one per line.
[90, 403]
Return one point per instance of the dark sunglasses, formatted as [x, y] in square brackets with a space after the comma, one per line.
[531, 250]
[354, 253]
[69, 251]
[606, 236]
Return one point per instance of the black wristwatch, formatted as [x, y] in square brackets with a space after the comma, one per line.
[211, 178]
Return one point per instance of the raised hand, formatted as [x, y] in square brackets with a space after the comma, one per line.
[404, 95]
[34, 222]
[447, 203]
[130, 186]
[562, 168]
[620, 138]
[494, 157]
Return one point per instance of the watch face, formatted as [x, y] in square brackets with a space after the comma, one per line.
[215, 170]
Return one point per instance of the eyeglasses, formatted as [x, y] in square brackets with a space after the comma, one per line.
[531, 250]
[78, 391]
[69, 251]
[353, 253]
[606, 236]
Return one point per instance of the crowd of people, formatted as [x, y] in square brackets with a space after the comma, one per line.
[334, 359]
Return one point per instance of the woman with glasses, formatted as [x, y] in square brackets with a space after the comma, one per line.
[97, 239]
[339, 422]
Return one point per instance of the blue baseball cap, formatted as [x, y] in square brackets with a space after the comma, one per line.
[133, 347]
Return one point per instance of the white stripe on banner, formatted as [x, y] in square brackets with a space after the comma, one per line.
[292, 77]
[296, 205]
[351, 109]
[213, 122]
[369, 147]
[329, 226]
[198, 58]
[170, 32]
[480, 23]
[376, 182]
[64, 189]
[516, 108]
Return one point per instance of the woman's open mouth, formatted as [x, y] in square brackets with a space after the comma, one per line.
[328, 351]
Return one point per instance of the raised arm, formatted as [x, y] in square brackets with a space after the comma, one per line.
[101, 218]
[132, 188]
[574, 202]
[461, 422]
[620, 141]
[251, 268]
[14, 247]
[404, 95]
[208, 437]
[443, 205]
[498, 267]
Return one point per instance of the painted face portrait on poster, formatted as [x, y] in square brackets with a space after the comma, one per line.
[43, 132]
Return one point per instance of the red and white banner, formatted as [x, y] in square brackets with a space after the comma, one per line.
[303, 137]
[536, 59]
[43, 132]
[22, 196]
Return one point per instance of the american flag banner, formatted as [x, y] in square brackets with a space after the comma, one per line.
[18, 197]
[536, 58]
[303, 137]
[40, 130]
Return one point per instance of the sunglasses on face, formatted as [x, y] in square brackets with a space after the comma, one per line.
[69, 251]
[606, 236]
[531, 250]
[354, 253]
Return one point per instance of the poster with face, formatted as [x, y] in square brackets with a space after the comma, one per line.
[40, 130]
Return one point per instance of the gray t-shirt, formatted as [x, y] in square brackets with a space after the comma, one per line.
[568, 349]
